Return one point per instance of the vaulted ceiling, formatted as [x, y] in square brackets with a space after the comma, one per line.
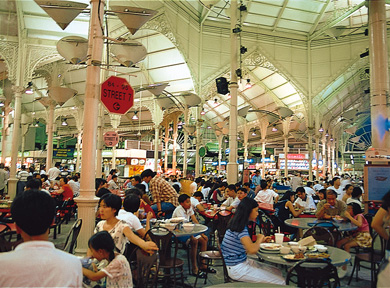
[296, 50]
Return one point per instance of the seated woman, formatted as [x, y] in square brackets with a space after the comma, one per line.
[237, 244]
[356, 197]
[284, 209]
[109, 206]
[361, 237]
[348, 192]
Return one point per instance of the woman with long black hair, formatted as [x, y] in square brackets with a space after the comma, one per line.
[237, 244]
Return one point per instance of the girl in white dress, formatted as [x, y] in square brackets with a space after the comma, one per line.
[117, 272]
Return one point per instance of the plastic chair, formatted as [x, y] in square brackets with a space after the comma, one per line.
[147, 268]
[313, 273]
[373, 256]
[6, 242]
[72, 236]
[220, 222]
[265, 224]
[321, 235]
[168, 246]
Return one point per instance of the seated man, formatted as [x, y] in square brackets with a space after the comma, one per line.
[304, 200]
[36, 262]
[266, 195]
[330, 207]
[250, 192]
[195, 201]
[185, 210]
[232, 202]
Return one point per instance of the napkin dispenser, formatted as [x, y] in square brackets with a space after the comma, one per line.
[308, 241]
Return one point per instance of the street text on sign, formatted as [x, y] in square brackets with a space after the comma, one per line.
[111, 138]
[117, 95]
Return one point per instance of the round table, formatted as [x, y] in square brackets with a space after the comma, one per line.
[245, 284]
[303, 223]
[338, 256]
[198, 229]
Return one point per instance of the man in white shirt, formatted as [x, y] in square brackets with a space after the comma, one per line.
[337, 187]
[317, 186]
[112, 184]
[296, 181]
[304, 200]
[232, 202]
[266, 195]
[54, 172]
[36, 262]
[75, 185]
[309, 189]
[130, 206]
[3, 179]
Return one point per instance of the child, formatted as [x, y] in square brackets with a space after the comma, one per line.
[185, 210]
[118, 271]
[361, 237]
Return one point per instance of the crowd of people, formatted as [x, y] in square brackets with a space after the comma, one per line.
[147, 196]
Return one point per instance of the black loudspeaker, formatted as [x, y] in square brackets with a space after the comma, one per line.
[222, 85]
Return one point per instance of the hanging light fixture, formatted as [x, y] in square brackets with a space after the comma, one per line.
[36, 124]
[29, 90]
[135, 116]
[215, 102]
[248, 84]
[326, 134]
[202, 112]
[170, 128]
[254, 133]
[274, 129]
[321, 129]
[64, 123]
[208, 127]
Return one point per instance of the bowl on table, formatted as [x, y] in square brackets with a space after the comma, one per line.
[320, 248]
[188, 227]
[299, 249]
[169, 226]
[338, 219]
[292, 243]
[285, 250]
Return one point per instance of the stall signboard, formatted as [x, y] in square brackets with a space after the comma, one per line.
[117, 95]
[294, 164]
[63, 153]
[377, 155]
[111, 138]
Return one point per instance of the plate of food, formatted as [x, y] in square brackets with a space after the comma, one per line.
[318, 255]
[270, 246]
[177, 220]
[294, 257]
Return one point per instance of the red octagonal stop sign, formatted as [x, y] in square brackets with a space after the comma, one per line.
[117, 95]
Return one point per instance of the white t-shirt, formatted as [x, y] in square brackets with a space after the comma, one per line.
[193, 187]
[266, 196]
[318, 187]
[194, 202]
[130, 219]
[39, 264]
[75, 187]
[118, 272]
[309, 191]
[181, 212]
[340, 192]
[112, 185]
[308, 204]
[53, 173]
[231, 202]
[205, 192]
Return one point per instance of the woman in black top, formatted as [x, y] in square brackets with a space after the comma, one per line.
[283, 211]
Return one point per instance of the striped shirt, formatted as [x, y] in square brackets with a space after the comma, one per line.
[162, 191]
[233, 251]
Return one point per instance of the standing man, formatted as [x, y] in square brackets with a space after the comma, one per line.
[165, 198]
[249, 191]
[256, 179]
[336, 186]
[296, 181]
[22, 177]
[36, 262]
[54, 172]
[3, 179]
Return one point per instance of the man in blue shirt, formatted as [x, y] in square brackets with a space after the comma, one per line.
[256, 178]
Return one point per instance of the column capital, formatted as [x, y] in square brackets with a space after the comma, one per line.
[18, 90]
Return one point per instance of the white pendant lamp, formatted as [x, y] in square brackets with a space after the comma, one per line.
[62, 12]
[133, 17]
[73, 48]
[128, 53]
[61, 94]
[192, 99]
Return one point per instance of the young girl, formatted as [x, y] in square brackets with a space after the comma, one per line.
[117, 271]
[237, 244]
[109, 206]
[348, 192]
[361, 237]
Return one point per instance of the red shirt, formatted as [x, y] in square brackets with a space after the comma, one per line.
[68, 192]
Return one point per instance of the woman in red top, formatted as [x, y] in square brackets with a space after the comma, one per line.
[65, 190]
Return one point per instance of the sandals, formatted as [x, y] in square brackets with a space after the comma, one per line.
[201, 275]
[209, 270]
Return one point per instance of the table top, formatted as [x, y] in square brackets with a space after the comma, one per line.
[245, 284]
[198, 229]
[212, 213]
[303, 223]
[338, 256]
